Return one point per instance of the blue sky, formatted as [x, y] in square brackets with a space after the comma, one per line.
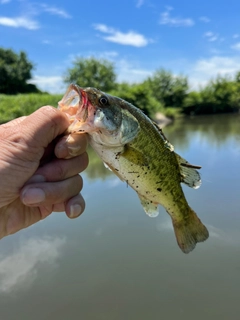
[199, 39]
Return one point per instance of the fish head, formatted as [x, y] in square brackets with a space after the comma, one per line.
[101, 115]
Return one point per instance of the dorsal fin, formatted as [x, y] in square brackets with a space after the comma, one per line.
[190, 176]
[165, 140]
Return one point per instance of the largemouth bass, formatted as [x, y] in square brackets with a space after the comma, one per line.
[136, 150]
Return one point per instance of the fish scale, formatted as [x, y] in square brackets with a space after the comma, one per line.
[136, 150]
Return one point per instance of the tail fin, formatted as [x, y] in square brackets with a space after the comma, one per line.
[189, 232]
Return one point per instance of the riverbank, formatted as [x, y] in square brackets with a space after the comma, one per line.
[14, 106]
[162, 120]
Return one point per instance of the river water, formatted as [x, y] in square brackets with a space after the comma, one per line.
[115, 263]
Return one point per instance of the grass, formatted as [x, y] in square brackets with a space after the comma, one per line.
[14, 106]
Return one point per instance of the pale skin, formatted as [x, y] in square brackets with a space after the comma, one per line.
[39, 169]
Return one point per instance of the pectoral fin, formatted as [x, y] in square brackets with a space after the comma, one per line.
[114, 170]
[149, 207]
[134, 156]
[190, 176]
[107, 166]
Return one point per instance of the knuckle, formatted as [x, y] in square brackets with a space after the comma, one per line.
[77, 184]
[79, 181]
[60, 171]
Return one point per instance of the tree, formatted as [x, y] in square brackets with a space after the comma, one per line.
[218, 96]
[92, 72]
[15, 71]
[140, 96]
[169, 89]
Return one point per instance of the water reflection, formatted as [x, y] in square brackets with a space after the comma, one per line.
[96, 169]
[114, 262]
[22, 265]
[215, 130]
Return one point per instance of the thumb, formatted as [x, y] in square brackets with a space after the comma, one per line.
[44, 125]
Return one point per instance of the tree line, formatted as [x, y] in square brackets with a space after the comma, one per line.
[161, 92]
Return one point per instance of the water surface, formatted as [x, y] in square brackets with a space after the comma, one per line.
[116, 263]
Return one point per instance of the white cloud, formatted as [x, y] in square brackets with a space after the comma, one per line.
[236, 46]
[55, 11]
[19, 22]
[130, 38]
[4, 1]
[205, 69]
[113, 183]
[21, 266]
[31, 10]
[214, 232]
[139, 3]
[164, 225]
[46, 42]
[127, 72]
[108, 55]
[51, 84]
[211, 36]
[204, 19]
[174, 21]
[103, 28]
[235, 36]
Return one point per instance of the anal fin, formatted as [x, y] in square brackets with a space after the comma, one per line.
[149, 207]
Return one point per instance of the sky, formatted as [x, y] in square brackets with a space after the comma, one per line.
[197, 39]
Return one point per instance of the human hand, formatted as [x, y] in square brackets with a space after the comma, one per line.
[39, 171]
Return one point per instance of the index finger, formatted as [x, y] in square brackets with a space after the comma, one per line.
[43, 126]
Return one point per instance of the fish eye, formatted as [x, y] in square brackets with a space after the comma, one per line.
[103, 100]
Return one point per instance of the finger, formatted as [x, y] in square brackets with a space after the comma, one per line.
[42, 126]
[73, 207]
[71, 145]
[13, 122]
[60, 169]
[51, 193]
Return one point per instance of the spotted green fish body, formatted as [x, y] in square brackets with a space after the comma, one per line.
[136, 150]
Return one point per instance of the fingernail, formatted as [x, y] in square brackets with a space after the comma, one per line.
[74, 151]
[33, 196]
[73, 147]
[61, 150]
[75, 210]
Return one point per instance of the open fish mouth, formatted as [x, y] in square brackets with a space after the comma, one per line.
[75, 104]
[79, 109]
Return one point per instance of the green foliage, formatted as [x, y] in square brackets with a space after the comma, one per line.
[140, 96]
[218, 96]
[170, 90]
[15, 71]
[162, 92]
[92, 73]
[15, 106]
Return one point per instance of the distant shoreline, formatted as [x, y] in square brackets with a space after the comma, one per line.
[162, 120]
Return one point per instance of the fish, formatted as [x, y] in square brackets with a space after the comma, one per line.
[136, 150]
